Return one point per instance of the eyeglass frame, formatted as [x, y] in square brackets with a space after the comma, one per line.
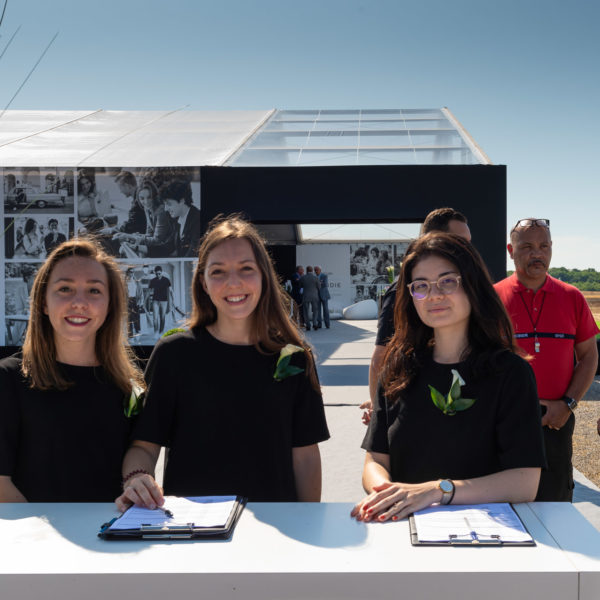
[533, 223]
[430, 285]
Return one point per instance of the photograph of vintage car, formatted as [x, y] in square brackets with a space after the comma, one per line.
[38, 190]
[27, 195]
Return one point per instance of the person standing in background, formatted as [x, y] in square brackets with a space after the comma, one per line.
[161, 294]
[310, 298]
[297, 292]
[555, 326]
[135, 299]
[324, 297]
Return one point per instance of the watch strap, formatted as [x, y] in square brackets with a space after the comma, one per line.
[447, 496]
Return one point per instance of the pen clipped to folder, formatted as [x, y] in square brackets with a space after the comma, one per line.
[494, 524]
[179, 518]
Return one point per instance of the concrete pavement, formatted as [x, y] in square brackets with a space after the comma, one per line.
[343, 354]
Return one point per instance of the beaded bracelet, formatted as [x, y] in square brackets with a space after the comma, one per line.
[132, 473]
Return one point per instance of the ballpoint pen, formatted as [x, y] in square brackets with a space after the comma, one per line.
[472, 532]
[166, 511]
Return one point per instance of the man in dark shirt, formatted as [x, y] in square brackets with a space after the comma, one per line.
[161, 295]
[297, 293]
[310, 298]
[442, 219]
[54, 238]
[177, 196]
[324, 296]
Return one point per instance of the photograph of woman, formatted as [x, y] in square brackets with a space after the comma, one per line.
[91, 204]
[235, 418]
[457, 419]
[31, 244]
[157, 240]
[63, 424]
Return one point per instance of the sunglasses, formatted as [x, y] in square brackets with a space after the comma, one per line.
[446, 284]
[531, 223]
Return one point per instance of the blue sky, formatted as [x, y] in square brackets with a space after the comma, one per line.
[521, 76]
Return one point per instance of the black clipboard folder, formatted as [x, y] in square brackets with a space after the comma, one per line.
[176, 532]
[470, 539]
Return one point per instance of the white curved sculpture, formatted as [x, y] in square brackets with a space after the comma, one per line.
[363, 310]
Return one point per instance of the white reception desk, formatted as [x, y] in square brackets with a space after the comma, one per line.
[290, 551]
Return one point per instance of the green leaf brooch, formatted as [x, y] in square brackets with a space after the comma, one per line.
[172, 331]
[133, 404]
[452, 403]
[283, 368]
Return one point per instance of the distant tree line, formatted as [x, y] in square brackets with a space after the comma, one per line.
[587, 280]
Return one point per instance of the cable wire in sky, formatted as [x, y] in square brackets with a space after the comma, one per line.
[3, 11]
[9, 42]
[39, 60]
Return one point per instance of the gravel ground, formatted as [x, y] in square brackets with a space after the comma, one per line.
[586, 442]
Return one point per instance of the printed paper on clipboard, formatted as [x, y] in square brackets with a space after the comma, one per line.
[474, 524]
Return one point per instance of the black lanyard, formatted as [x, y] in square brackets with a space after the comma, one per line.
[536, 344]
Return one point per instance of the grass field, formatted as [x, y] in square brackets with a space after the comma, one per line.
[593, 300]
[586, 445]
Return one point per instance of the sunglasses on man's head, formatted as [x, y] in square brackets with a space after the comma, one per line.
[531, 223]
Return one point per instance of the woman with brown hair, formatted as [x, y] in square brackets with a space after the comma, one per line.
[157, 241]
[236, 398]
[456, 418]
[31, 245]
[65, 401]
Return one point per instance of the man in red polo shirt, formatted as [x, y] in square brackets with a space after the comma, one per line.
[554, 325]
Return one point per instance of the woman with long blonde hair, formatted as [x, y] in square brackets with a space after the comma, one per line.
[236, 399]
[65, 403]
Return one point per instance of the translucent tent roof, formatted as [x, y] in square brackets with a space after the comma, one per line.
[360, 137]
[128, 138]
[235, 138]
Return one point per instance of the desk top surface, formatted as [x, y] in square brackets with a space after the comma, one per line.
[283, 538]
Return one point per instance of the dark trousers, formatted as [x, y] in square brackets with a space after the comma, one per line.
[556, 482]
[134, 316]
[159, 308]
[323, 312]
[311, 312]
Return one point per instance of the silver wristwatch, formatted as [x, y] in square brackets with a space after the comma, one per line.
[447, 488]
[571, 402]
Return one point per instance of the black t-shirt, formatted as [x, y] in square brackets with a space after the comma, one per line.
[161, 286]
[229, 425]
[62, 446]
[385, 323]
[502, 430]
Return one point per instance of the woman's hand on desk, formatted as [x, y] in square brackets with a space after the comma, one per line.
[141, 490]
[392, 500]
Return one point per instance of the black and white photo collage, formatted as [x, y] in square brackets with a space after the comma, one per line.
[147, 218]
[369, 263]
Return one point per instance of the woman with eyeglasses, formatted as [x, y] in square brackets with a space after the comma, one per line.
[457, 420]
